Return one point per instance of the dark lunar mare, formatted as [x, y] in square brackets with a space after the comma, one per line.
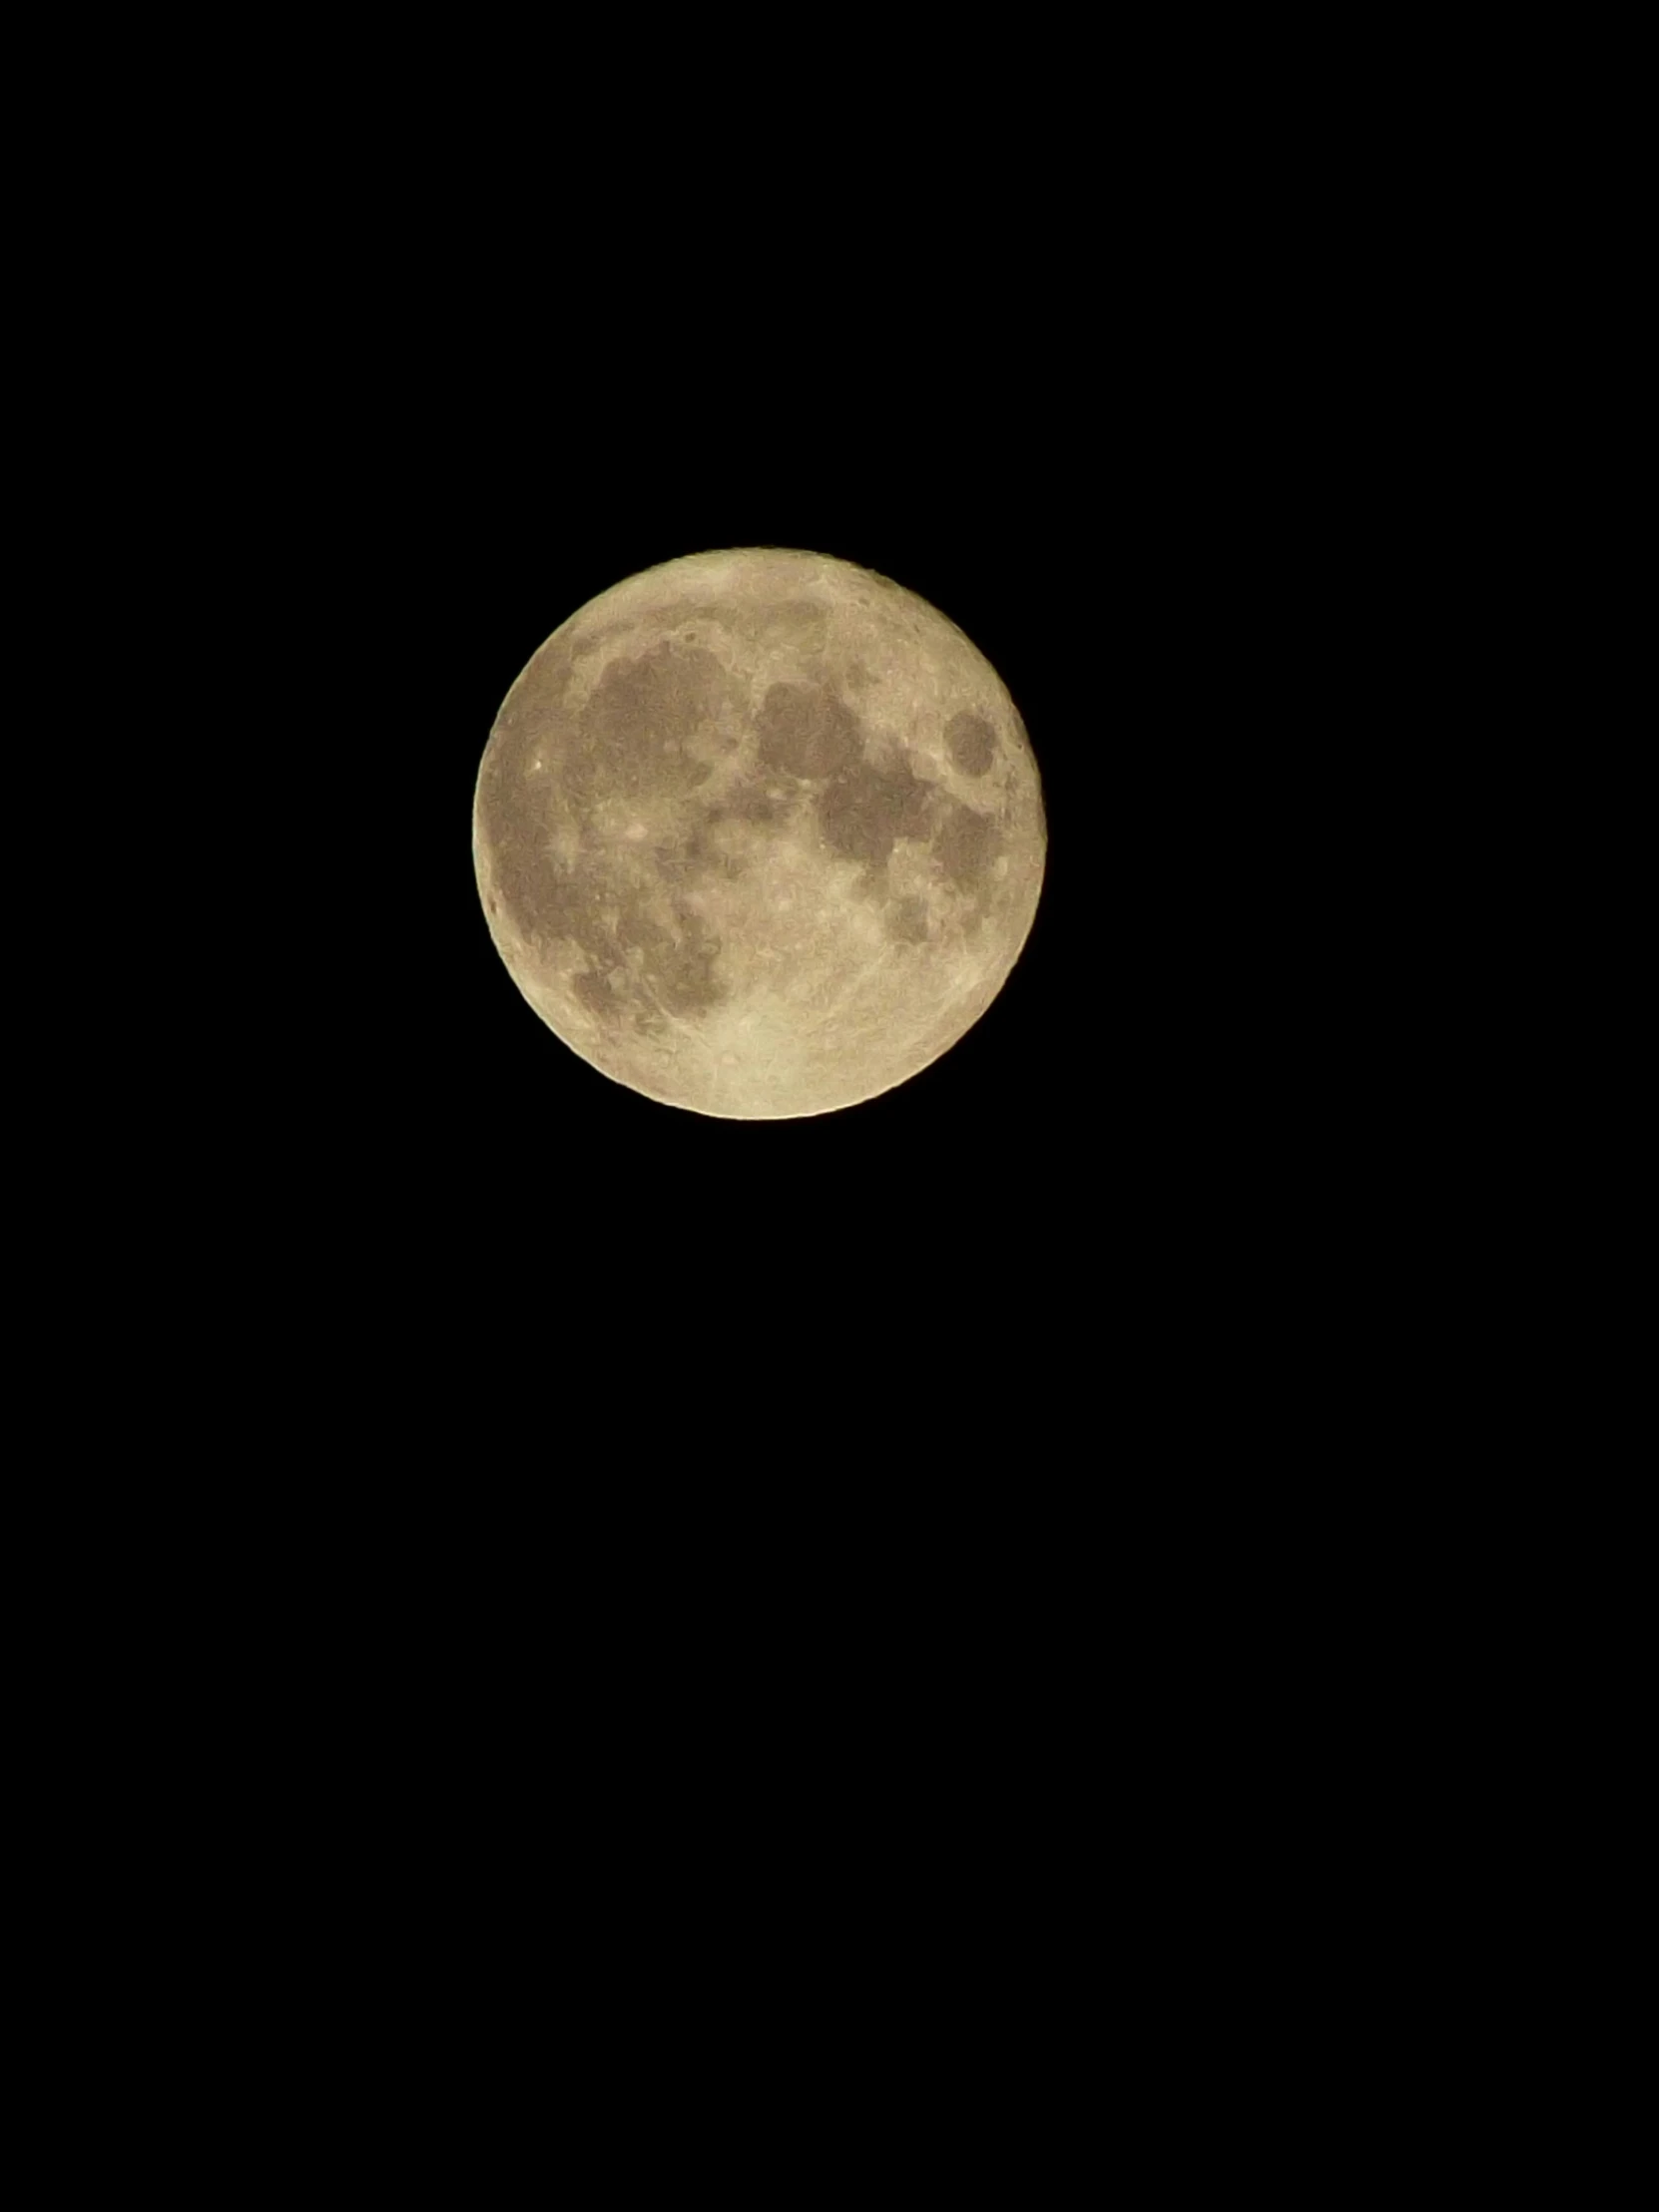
[971, 743]
[863, 813]
[630, 742]
[808, 729]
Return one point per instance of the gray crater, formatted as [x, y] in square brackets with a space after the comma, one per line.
[971, 742]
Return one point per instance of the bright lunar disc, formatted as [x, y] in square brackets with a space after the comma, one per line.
[759, 833]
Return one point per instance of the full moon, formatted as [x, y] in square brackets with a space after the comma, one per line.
[759, 833]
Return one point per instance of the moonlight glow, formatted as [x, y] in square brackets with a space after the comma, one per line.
[759, 833]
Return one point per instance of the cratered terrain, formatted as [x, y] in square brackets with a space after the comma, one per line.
[759, 833]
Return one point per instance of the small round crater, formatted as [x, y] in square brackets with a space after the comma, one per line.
[971, 742]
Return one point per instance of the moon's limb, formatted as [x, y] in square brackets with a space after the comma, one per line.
[759, 833]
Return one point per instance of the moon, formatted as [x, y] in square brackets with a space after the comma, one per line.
[759, 833]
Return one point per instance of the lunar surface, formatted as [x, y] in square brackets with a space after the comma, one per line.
[759, 833]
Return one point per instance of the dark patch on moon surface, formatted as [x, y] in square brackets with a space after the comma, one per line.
[864, 813]
[965, 844]
[539, 692]
[549, 901]
[807, 731]
[594, 991]
[682, 972]
[626, 966]
[907, 921]
[700, 852]
[637, 724]
[675, 972]
[634, 952]
[748, 802]
[677, 864]
[540, 896]
[972, 743]
[635, 930]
